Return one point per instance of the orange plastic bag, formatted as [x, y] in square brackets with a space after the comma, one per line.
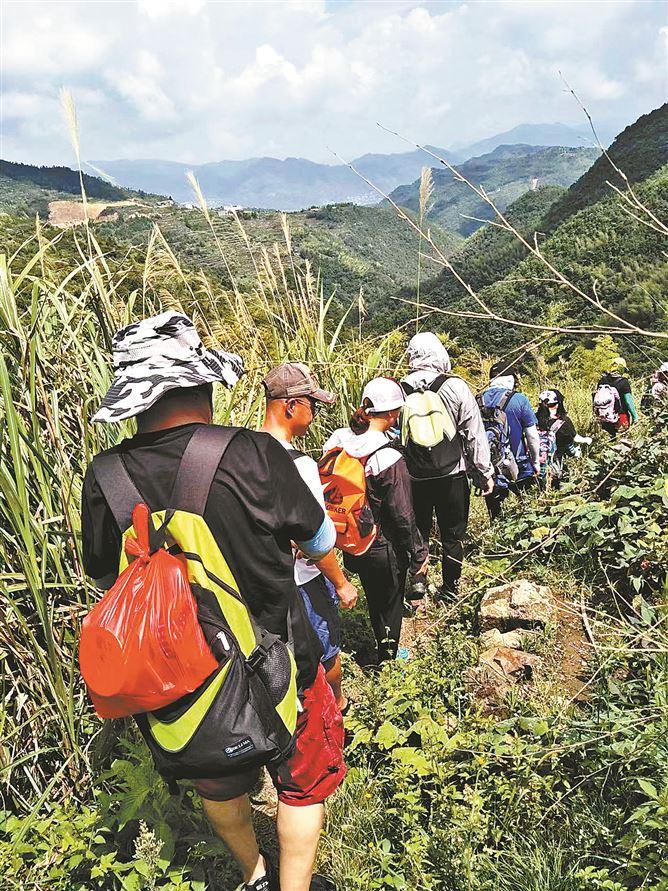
[142, 646]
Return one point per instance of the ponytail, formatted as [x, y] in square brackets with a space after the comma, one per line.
[359, 420]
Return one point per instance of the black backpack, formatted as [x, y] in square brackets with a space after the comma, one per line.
[244, 714]
[495, 421]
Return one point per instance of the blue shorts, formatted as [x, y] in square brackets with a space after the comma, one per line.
[322, 606]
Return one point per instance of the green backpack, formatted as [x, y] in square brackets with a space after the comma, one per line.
[427, 428]
[245, 713]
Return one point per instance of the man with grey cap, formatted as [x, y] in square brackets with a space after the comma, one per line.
[294, 398]
[445, 488]
[255, 506]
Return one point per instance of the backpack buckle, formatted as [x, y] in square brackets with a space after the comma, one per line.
[256, 658]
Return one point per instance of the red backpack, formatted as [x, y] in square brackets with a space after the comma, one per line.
[142, 646]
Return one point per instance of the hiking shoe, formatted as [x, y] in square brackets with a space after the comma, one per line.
[417, 588]
[321, 883]
[447, 596]
[267, 882]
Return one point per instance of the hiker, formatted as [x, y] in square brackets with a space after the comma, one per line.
[613, 403]
[235, 519]
[523, 468]
[557, 436]
[293, 398]
[659, 382]
[397, 547]
[440, 473]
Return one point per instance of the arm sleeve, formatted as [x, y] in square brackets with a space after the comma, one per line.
[473, 436]
[393, 488]
[320, 544]
[533, 444]
[101, 538]
[630, 404]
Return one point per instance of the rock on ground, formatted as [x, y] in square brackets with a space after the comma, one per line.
[518, 605]
[499, 668]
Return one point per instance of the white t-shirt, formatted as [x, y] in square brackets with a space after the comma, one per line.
[308, 470]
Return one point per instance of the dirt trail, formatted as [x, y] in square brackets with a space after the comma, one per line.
[565, 673]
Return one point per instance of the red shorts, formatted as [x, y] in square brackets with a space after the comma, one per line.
[316, 768]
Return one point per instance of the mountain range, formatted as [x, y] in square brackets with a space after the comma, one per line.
[370, 252]
[296, 183]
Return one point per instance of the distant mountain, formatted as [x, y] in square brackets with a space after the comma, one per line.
[506, 173]
[535, 134]
[269, 183]
[292, 184]
[390, 171]
[297, 183]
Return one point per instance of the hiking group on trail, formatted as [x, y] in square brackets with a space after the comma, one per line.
[216, 546]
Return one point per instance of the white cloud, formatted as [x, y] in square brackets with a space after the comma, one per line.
[160, 9]
[141, 87]
[197, 81]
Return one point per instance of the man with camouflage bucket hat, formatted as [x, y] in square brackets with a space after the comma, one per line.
[255, 505]
[156, 355]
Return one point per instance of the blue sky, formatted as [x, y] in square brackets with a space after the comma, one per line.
[198, 81]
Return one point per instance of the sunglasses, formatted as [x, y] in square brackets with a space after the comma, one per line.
[313, 403]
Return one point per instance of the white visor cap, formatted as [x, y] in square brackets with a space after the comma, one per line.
[383, 394]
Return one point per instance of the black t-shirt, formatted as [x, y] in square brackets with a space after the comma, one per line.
[258, 503]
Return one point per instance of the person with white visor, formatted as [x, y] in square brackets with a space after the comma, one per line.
[398, 547]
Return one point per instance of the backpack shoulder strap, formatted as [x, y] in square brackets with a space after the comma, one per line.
[198, 467]
[505, 399]
[117, 486]
[438, 382]
[295, 453]
[407, 388]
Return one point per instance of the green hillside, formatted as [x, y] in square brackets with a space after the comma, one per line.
[351, 247]
[348, 246]
[601, 244]
[638, 151]
[506, 173]
[29, 180]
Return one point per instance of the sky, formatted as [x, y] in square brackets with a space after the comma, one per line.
[197, 81]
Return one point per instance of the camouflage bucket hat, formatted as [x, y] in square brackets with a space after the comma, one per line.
[160, 354]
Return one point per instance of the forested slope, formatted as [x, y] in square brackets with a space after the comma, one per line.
[506, 173]
[587, 233]
[637, 151]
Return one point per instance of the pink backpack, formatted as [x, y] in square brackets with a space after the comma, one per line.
[606, 404]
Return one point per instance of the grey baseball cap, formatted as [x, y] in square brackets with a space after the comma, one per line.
[295, 379]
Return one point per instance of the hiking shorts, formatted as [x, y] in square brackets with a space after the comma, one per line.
[313, 772]
[322, 607]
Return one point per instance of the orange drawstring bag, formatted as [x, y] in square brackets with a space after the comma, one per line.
[142, 646]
